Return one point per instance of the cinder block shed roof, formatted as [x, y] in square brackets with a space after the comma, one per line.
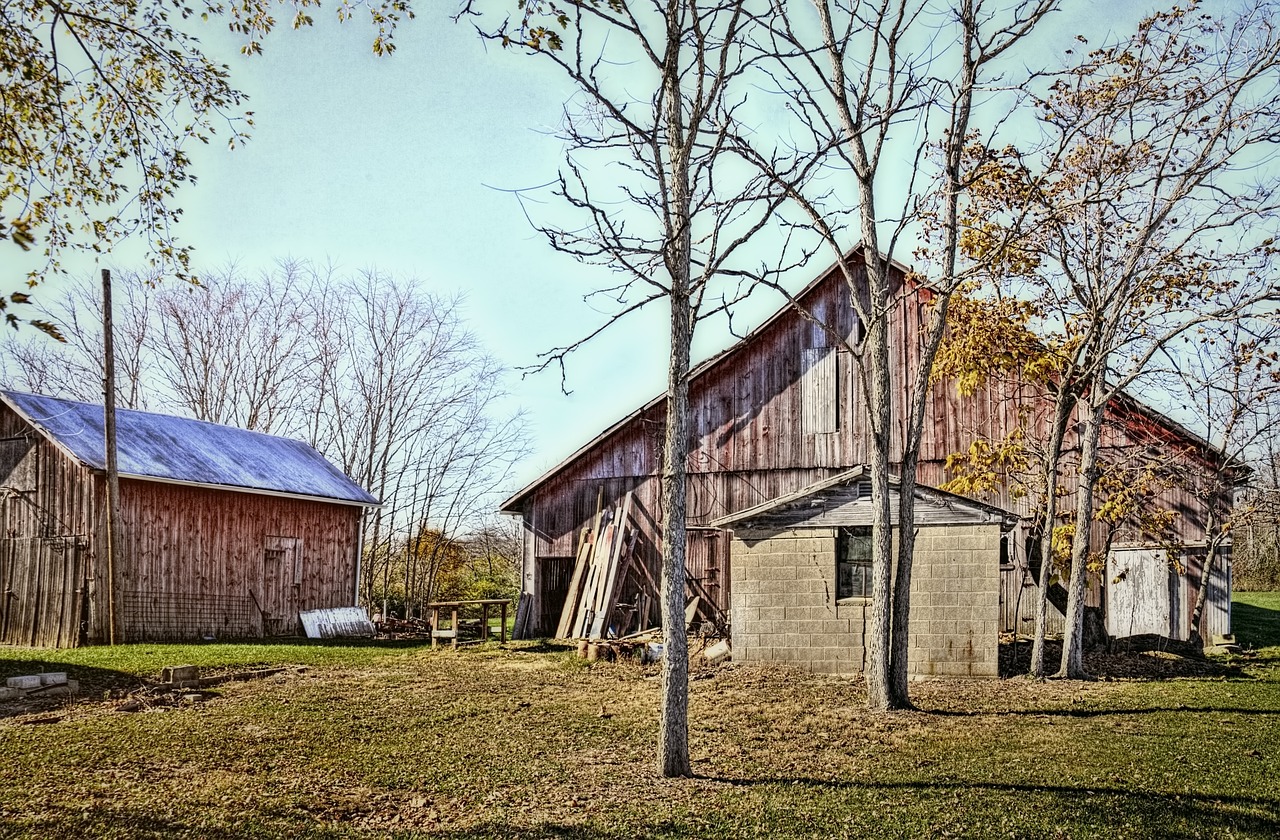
[845, 500]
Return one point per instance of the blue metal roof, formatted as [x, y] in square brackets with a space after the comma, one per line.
[165, 448]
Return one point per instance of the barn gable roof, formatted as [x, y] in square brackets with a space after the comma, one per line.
[513, 504]
[160, 447]
[845, 499]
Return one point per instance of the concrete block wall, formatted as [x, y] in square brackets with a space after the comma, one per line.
[784, 608]
[955, 602]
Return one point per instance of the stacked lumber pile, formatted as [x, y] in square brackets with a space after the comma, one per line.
[606, 566]
[606, 556]
[638, 648]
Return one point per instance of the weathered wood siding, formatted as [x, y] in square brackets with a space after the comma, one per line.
[1151, 596]
[46, 567]
[194, 561]
[1018, 594]
[199, 561]
[782, 410]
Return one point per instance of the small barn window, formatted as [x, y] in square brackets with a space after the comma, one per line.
[853, 563]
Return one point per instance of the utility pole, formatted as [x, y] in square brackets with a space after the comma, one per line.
[113, 470]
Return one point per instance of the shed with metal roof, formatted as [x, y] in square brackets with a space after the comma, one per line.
[802, 579]
[225, 532]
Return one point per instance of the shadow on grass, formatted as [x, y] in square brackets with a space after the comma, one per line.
[1129, 813]
[302, 641]
[94, 681]
[1092, 713]
[547, 646]
[123, 821]
[799, 807]
[126, 668]
[1254, 626]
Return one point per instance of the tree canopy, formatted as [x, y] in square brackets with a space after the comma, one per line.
[99, 103]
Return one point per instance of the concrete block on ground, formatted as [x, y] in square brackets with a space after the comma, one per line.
[66, 689]
[717, 652]
[23, 683]
[180, 674]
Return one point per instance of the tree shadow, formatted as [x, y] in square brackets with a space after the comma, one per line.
[1134, 813]
[92, 679]
[545, 646]
[1108, 712]
[1138, 658]
[1254, 626]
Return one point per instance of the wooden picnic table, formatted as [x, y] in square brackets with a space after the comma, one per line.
[452, 608]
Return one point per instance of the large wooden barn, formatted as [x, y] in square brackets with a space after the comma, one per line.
[225, 533]
[780, 412]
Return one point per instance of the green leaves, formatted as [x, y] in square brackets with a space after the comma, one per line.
[97, 99]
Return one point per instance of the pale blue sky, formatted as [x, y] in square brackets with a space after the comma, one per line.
[392, 163]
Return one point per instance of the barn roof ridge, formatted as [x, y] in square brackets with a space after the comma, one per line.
[182, 450]
[695, 372]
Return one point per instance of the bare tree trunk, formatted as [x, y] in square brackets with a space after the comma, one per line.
[900, 631]
[673, 721]
[1212, 552]
[880, 412]
[1052, 456]
[1072, 667]
[673, 724]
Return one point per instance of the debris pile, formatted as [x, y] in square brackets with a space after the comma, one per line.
[611, 607]
[647, 647]
[390, 627]
[182, 685]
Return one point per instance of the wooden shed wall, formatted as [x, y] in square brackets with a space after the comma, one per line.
[46, 567]
[203, 561]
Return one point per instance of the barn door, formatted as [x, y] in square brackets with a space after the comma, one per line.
[707, 575]
[1138, 592]
[281, 582]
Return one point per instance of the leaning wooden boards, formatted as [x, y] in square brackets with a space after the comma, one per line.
[604, 554]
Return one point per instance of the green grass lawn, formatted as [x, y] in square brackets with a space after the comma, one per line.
[127, 667]
[1255, 618]
[528, 741]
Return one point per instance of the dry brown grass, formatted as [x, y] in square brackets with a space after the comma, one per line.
[527, 742]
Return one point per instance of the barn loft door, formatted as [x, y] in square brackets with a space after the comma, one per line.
[281, 582]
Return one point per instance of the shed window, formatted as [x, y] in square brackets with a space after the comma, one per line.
[853, 563]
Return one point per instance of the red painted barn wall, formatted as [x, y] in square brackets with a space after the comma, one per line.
[205, 551]
[194, 561]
